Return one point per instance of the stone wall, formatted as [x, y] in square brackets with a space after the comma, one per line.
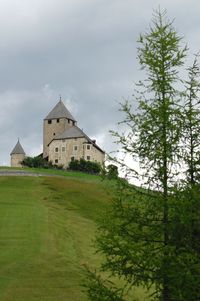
[61, 152]
[56, 127]
[16, 160]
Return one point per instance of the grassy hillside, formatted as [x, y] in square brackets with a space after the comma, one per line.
[46, 229]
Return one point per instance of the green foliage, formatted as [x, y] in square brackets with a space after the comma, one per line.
[151, 238]
[85, 166]
[190, 197]
[36, 162]
[112, 171]
[101, 289]
[191, 120]
[185, 232]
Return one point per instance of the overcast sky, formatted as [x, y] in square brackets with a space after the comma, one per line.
[84, 50]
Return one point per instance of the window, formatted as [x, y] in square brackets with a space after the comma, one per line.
[72, 158]
[63, 149]
[54, 134]
[56, 149]
[68, 121]
[49, 121]
[88, 158]
[58, 120]
[75, 147]
[88, 146]
[56, 160]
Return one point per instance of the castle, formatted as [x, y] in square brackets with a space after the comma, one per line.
[63, 141]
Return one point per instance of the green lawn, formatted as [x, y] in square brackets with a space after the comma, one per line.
[46, 229]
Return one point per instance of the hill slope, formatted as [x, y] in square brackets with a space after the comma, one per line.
[46, 229]
[47, 225]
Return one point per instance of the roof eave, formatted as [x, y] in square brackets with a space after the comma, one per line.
[54, 118]
[64, 139]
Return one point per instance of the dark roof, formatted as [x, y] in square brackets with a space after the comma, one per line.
[75, 132]
[72, 132]
[18, 149]
[59, 111]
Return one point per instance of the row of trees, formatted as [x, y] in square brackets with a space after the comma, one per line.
[150, 238]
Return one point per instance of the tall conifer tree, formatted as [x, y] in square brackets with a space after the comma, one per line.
[188, 207]
[191, 126]
[137, 236]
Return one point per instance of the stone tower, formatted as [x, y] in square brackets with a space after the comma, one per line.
[55, 123]
[17, 155]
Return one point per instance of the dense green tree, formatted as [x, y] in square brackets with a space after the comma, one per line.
[191, 126]
[186, 218]
[142, 237]
[112, 171]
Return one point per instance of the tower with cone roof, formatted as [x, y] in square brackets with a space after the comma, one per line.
[17, 155]
[55, 123]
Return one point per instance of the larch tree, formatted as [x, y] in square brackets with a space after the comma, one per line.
[187, 212]
[191, 123]
[141, 236]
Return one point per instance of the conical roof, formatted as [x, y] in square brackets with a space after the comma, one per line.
[18, 149]
[59, 111]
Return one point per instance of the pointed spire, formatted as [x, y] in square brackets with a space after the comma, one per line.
[59, 111]
[18, 149]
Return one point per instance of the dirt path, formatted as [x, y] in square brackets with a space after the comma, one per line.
[23, 173]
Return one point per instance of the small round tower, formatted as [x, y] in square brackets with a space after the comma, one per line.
[17, 155]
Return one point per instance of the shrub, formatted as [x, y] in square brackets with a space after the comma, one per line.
[85, 166]
[112, 171]
[36, 162]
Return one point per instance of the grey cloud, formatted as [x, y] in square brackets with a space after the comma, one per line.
[85, 50]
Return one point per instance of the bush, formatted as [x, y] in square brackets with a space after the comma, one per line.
[36, 162]
[112, 172]
[85, 166]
